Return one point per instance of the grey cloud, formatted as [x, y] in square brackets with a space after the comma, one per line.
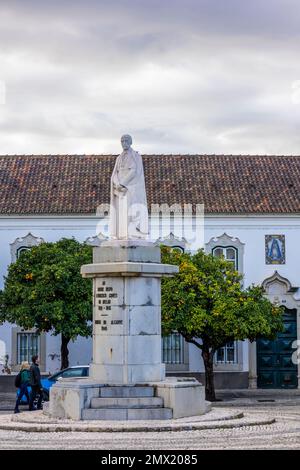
[181, 76]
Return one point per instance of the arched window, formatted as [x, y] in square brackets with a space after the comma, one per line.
[229, 248]
[21, 250]
[178, 248]
[229, 253]
[23, 244]
[26, 343]
[229, 357]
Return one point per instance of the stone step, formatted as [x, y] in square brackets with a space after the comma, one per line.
[121, 414]
[126, 392]
[144, 402]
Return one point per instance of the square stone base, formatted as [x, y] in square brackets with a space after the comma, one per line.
[69, 397]
[73, 399]
[184, 396]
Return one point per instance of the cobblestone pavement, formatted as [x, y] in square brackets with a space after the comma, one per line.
[284, 434]
[7, 402]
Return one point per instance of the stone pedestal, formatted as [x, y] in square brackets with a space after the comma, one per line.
[127, 378]
[127, 313]
[85, 399]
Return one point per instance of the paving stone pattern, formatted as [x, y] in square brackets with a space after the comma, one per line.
[283, 434]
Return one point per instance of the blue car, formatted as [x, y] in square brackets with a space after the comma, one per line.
[75, 371]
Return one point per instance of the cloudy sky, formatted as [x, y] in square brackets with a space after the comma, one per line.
[182, 76]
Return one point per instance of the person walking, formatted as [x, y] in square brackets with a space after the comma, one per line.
[22, 382]
[36, 384]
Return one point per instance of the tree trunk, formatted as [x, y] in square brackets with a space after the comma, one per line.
[64, 352]
[208, 359]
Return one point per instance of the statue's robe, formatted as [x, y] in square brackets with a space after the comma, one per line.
[128, 210]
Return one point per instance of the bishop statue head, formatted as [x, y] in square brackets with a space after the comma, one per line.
[126, 141]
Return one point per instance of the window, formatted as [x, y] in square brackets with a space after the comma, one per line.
[227, 354]
[229, 253]
[178, 248]
[23, 244]
[21, 250]
[28, 345]
[231, 248]
[173, 349]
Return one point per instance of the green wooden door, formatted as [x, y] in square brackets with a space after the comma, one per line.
[275, 368]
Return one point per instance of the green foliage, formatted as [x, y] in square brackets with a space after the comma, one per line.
[206, 301]
[44, 289]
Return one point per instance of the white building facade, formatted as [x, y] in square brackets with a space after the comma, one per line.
[264, 247]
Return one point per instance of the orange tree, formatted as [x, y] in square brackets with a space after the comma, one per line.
[44, 290]
[206, 304]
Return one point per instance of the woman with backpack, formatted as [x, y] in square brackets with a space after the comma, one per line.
[22, 381]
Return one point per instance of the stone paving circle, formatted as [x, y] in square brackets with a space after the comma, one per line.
[38, 421]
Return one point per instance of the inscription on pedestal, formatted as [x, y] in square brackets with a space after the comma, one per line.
[104, 296]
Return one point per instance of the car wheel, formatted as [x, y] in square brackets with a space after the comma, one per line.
[45, 395]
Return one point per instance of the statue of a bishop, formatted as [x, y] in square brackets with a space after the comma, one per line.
[128, 202]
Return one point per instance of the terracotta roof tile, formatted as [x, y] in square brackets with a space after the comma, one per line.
[77, 184]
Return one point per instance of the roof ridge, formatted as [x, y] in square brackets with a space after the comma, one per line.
[149, 155]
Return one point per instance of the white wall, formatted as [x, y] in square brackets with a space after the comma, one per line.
[49, 228]
[251, 231]
[195, 359]
[52, 348]
[80, 351]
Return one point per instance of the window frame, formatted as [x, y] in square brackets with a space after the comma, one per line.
[14, 346]
[30, 351]
[225, 348]
[21, 249]
[172, 350]
[226, 247]
[224, 241]
[24, 242]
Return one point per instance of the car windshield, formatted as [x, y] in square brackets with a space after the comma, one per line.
[71, 372]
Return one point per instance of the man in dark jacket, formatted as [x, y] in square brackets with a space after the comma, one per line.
[36, 384]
